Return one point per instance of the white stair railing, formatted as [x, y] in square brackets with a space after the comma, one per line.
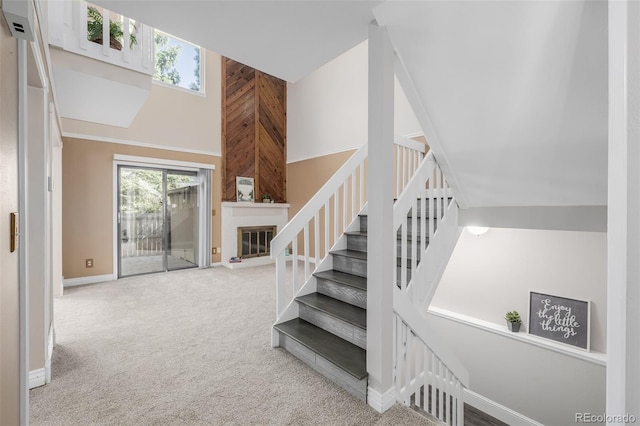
[425, 218]
[316, 228]
[427, 375]
[417, 216]
[408, 155]
[318, 225]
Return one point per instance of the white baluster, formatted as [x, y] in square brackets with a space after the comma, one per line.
[126, 40]
[354, 209]
[425, 378]
[407, 366]
[414, 235]
[441, 374]
[106, 38]
[433, 382]
[418, 368]
[316, 237]
[344, 205]
[294, 264]
[305, 241]
[362, 178]
[424, 220]
[327, 224]
[81, 22]
[336, 218]
[445, 396]
[281, 297]
[403, 255]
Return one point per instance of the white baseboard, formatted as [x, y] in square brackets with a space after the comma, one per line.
[498, 411]
[92, 279]
[36, 378]
[381, 402]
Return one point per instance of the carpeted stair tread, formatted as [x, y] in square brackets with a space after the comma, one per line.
[341, 310]
[343, 278]
[362, 255]
[343, 354]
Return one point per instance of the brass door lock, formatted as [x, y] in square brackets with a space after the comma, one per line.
[15, 231]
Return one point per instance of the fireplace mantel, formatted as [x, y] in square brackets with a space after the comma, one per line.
[244, 214]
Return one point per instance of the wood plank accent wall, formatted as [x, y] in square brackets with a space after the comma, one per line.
[254, 126]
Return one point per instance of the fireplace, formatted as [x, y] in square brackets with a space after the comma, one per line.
[255, 241]
[247, 230]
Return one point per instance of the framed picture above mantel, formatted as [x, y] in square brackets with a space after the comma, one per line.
[245, 189]
[560, 319]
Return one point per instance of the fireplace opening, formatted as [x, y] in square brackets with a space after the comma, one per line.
[255, 241]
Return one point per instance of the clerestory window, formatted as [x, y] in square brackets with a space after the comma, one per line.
[178, 62]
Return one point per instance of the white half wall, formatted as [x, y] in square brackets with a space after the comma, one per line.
[491, 274]
[543, 385]
[327, 110]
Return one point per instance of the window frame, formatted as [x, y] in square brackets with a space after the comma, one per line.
[200, 92]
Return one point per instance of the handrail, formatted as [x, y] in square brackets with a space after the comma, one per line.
[279, 242]
[410, 143]
[318, 226]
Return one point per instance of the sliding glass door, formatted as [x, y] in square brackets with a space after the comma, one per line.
[158, 220]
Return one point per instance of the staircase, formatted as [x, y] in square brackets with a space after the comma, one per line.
[330, 335]
[321, 283]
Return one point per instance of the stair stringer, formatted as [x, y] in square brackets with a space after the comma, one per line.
[292, 310]
[435, 259]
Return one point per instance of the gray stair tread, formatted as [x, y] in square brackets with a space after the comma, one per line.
[410, 237]
[343, 354]
[343, 278]
[341, 310]
[362, 255]
[357, 233]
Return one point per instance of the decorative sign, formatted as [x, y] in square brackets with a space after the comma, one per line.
[560, 319]
[244, 189]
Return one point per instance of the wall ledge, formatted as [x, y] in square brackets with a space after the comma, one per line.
[496, 410]
[593, 357]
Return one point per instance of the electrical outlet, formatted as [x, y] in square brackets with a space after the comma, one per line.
[88, 263]
[214, 250]
[213, 212]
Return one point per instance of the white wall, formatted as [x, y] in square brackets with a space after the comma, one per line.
[546, 386]
[493, 273]
[327, 110]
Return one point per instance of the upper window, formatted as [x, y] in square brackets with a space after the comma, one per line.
[177, 62]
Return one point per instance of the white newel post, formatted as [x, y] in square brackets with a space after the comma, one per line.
[380, 264]
[623, 286]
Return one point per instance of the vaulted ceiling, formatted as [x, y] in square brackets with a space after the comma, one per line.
[516, 91]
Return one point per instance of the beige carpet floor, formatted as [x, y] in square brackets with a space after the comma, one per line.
[186, 348]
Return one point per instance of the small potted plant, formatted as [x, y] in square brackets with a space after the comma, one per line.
[266, 198]
[513, 321]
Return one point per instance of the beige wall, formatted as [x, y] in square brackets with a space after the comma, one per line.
[170, 117]
[87, 199]
[9, 325]
[306, 177]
